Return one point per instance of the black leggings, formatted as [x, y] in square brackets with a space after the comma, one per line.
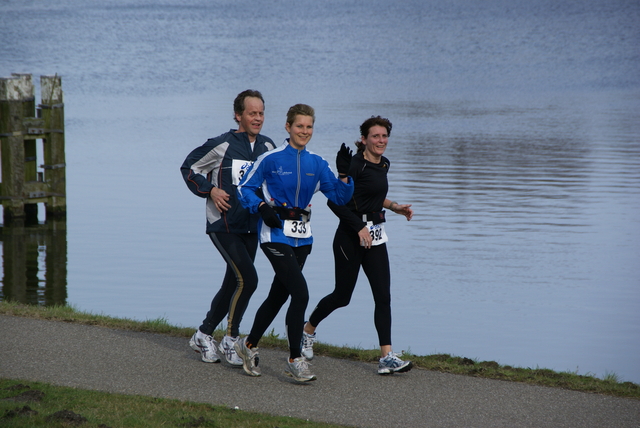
[287, 264]
[239, 283]
[349, 256]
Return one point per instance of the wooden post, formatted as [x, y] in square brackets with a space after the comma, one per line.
[25, 183]
[23, 186]
[21, 252]
[52, 111]
[15, 92]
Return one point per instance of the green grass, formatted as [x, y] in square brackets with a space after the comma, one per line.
[445, 363]
[55, 406]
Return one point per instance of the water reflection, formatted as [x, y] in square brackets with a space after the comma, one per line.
[35, 262]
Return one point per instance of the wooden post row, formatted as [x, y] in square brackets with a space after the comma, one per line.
[23, 186]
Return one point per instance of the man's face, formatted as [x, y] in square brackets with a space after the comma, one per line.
[252, 118]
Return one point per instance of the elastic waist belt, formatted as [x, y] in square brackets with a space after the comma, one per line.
[286, 213]
[376, 217]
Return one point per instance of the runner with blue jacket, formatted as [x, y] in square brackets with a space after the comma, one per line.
[288, 176]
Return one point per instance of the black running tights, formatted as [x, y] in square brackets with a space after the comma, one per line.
[349, 256]
[287, 263]
[239, 283]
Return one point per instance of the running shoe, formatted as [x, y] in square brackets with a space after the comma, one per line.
[206, 346]
[299, 370]
[393, 364]
[226, 348]
[307, 345]
[250, 358]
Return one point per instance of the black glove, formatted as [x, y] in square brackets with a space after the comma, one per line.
[343, 160]
[269, 216]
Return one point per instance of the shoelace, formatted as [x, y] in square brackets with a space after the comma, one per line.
[302, 366]
[229, 343]
[393, 357]
[309, 340]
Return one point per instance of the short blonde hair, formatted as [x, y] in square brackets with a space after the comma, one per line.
[300, 109]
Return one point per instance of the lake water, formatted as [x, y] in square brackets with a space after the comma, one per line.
[516, 137]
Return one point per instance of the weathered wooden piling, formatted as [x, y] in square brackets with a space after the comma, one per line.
[23, 185]
[23, 279]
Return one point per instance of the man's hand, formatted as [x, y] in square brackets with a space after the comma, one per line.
[220, 199]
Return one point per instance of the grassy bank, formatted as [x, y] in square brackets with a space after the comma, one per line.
[445, 363]
[25, 404]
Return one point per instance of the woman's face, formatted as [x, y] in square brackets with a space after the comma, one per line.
[376, 142]
[300, 131]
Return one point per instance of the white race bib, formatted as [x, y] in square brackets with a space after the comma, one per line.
[378, 235]
[297, 228]
[238, 169]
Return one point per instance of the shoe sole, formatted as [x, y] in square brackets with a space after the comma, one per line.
[300, 379]
[247, 369]
[402, 369]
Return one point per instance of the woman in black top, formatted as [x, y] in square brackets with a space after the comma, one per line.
[360, 240]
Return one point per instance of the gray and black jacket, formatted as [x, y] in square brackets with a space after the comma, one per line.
[221, 162]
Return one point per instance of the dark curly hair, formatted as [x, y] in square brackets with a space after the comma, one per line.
[370, 123]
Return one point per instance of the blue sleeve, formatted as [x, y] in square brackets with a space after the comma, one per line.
[334, 189]
[249, 185]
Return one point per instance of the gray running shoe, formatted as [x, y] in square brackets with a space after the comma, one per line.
[307, 345]
[206, 346]
[250, 358]
[299, 370]
[393, 364]
[226, 348]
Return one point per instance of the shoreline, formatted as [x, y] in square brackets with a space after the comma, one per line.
[443, 363]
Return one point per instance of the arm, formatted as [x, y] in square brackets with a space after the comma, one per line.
[195, 168]
[338, 191]
[393, 206]
[347, 216]
[249, 185]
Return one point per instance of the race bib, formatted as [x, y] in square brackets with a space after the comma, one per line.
[378, 235]
[238, 169]
[297, 228]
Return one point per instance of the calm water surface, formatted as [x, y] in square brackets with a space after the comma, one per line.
[516, 138]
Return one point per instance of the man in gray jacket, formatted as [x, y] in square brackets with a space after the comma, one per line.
[213, 171]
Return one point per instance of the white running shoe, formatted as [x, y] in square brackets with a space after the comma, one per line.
[307, 345]
[250, 358]
[393, 364]
[206, 346]
[226, 348]
[299, 370]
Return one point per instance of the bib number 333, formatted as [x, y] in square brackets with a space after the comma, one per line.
[297, 228]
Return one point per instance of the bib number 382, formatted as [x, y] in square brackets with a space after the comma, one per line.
[297, 228]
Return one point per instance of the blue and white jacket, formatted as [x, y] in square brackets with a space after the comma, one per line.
[288, 178]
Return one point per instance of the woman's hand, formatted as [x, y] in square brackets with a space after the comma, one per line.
[404, 210]
[365, 238]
